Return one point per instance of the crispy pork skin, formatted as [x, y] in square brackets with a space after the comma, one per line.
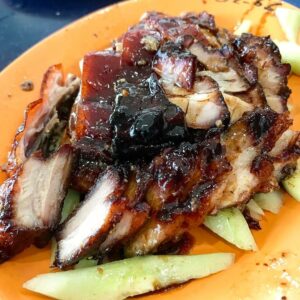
[31, 200]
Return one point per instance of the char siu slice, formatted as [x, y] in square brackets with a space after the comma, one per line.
[263, 54]
[204, 105]
[174, 194]
[110, 211]
[31, 200]
[46, 118]
[247, 143]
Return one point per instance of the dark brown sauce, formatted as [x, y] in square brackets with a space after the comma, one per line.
[204, 1]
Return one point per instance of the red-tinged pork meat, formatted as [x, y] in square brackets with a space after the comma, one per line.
[124, 107]
[251, 170]
[110, 212]
[174, 194]
[139, 46]
[175, 65]
[248, 143]
[46, 118]
[31, 200]
[285, 154]
[263, 54]
[204, 105]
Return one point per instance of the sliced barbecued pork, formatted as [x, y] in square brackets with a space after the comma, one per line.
[46, 118]
[31, 200]
[247, 143]
[285, 154]
[175, 65]
[111, 211]
[204, 105]
[251, 170]
[262, 53]
[124, 106]
[174, 194]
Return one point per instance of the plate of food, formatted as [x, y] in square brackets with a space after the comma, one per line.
[151, 149]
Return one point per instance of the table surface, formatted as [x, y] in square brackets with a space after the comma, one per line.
[25, 22]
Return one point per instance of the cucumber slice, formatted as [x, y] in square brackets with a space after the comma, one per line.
[129, 277]
[231, 225]
[255, 210]
[86, 263]
[292, 185]
[290, 53]
[243, 27]
[289, 20]
[71, 201]
[269, 201]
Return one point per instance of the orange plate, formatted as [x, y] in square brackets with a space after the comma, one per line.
[271, 273]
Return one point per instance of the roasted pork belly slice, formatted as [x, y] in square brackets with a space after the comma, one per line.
[211, 58]
[228, 81]
[175, 65]
[262, 53]
[88, 226]
[136, 213]
[203, 106]
[31, 200]
[111, 211]
[46, 118]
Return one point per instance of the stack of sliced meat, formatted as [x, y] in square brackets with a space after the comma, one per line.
[176, 121]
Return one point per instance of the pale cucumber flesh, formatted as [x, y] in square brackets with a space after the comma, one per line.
[289, 20]
[231, 225]
[292, 185]
[255, 210]
[271, 201]
[129, 277]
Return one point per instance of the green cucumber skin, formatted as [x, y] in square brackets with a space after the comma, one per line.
[129, 277]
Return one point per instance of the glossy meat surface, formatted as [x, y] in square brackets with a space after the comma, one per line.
[31, 200]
